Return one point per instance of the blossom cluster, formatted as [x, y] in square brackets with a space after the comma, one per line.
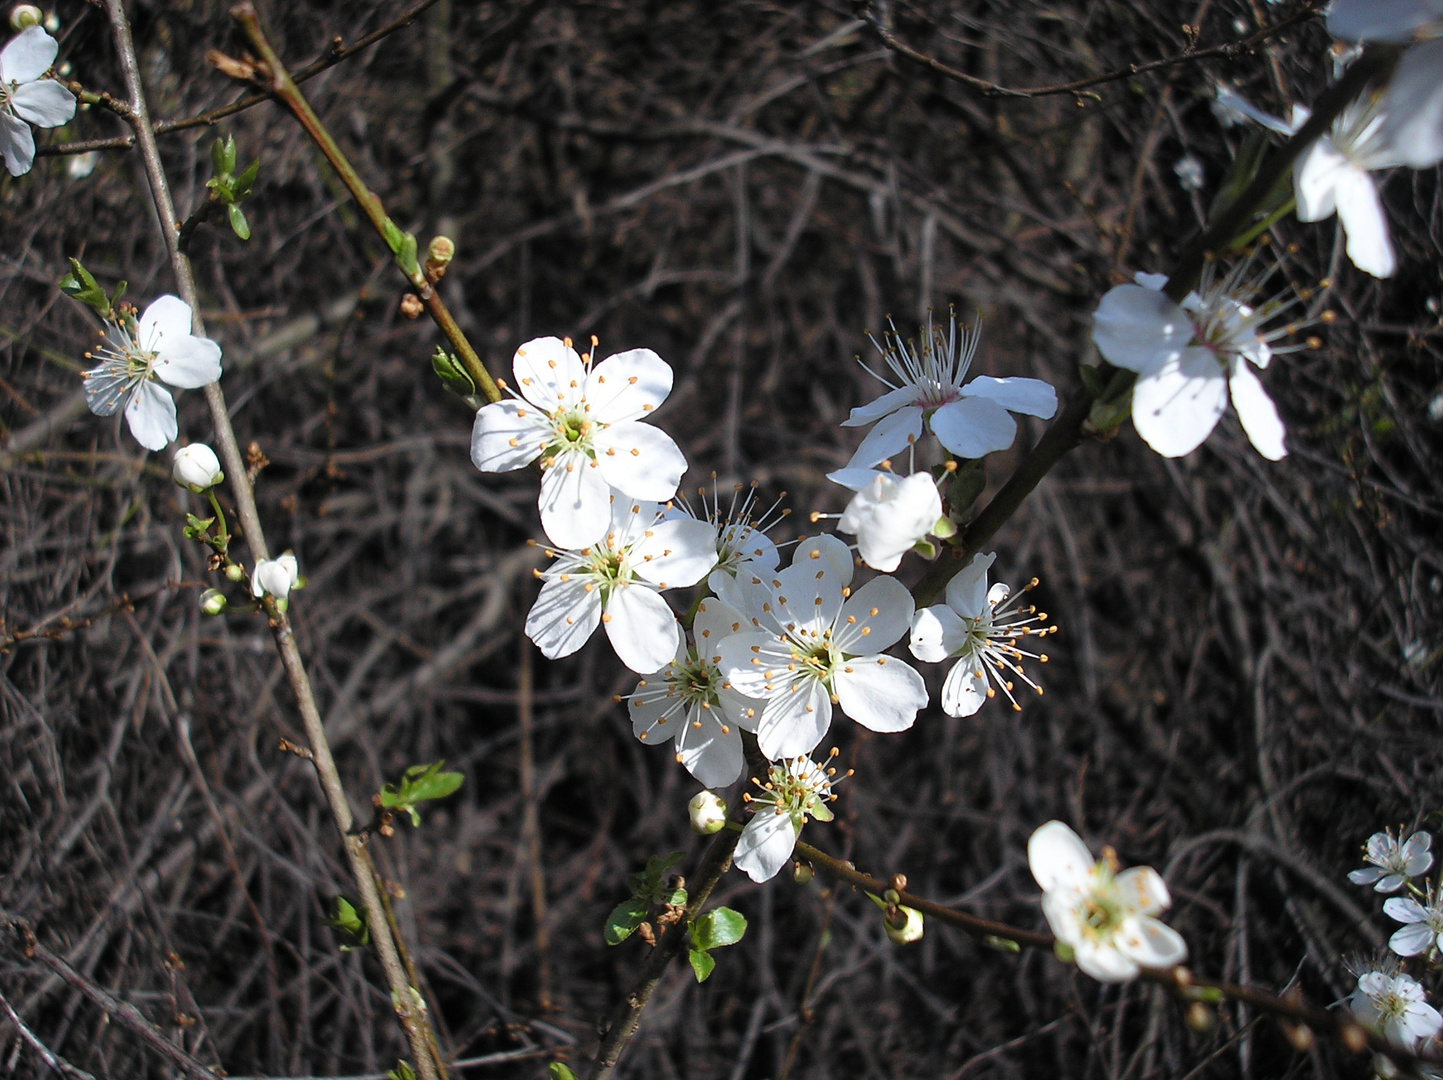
[1388, 1000]
[777, 646]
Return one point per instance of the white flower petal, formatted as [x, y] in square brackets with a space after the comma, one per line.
[1138, 328]
[854, 479]
[889, 402]
[1176, 407]
[1142, 889]
[45, 103]
[1413, 106]
[1058, 857]
[808, 597]
[892, 435]
[641, 627]
[1103, 962]
[1031, 396]
[1150, 943]
[639, 460]
[881, 693]
[1381, 20]
[507, 436]
[1404, 909]
[150, 412]
[737, 651]
[973, 427]
[890, 516]
[575, 501]
[744, 712]
[1257, 412]
[17, 144]
[712, 755]
[628, 386]
[1411, 940]
[28, 55]
[549, 374]
[874, 616]
[1315, 176]
[564, 616]
[967, 591]
[826, 550]
[1364, 223]
[964, 690]
[675, 553]
[937, 633]
[188, 362]
[166, 320]
[794, 723]
[715, 621]
[766, 843]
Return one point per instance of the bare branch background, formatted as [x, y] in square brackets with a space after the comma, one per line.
[1246, 685]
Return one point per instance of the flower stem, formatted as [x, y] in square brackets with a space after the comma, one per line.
[413, 1020]
[273, 76]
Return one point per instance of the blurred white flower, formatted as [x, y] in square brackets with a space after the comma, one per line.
[160, 347]
[690, 701]
[1423, 923]
[1106, 918]
[1413, 106]
[1393, 863]
[196, 467]
[816, 644]
[1393, 1005]
[1190, 357]
[981, 627]
[1190, 173]
[1398, 21]
[889, 514]
[27, 98]
[617, 581]
[971, 419]
[586, 425]
[275, 577]
[82, 165]
[796, 789]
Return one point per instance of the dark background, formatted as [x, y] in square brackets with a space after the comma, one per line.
[1246, 681]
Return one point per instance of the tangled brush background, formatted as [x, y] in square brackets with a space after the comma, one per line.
[1245, 686]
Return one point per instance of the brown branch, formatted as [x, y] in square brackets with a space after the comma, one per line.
[1228, 51]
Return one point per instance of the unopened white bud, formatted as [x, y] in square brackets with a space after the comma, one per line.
[909, 931]
[274, 577]
[708, 812]
[24, 16]
[212, 602]
[196, 467]
[234, 572]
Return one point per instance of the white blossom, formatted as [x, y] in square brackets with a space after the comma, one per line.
[136, 357]
[971, 419]
[690, 701]
[1423, 923]
[816, 644]
[275, 577]
[1106, 918]
[1393, 863]
[889, 514]
[586, 424]
[1413, 106]
[617, 580]
[796, 789]
[27, 98]
[1394, 1005]
[981, 627]
[196, 467]
[1190, 358]
[743, 548]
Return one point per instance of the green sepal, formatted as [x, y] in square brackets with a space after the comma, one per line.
[420, 783]
[557, 1071]
[624, 919]
[197, 528]
[1001, 944]
[238, 223]
[453, 376]
[702, 964]
[925, 548]
[945, 528]
[402, 1071]
[717, 928]
[349, 923]
[1063, 952]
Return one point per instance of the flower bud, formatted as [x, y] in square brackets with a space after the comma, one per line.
[235, 573]
[196, 467]
[212, 602]
[411, 306]
[24, 16]
[909, 931]
[708, 812]
[275, 577]
[439, 253]
[802, 873]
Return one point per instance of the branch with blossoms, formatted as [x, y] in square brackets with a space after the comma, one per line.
[743, 674]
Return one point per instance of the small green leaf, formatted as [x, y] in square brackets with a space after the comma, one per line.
[402, 1071]
[80, 285]
[702, 964]
[623, 920]
[453, 376]
[674, 897]
[420, 783]
[350, 925]
[557, 1071]
[406, 257]
[238, 223]
[217, 158]
[246, 180]
[967, 484]
[718, 927]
